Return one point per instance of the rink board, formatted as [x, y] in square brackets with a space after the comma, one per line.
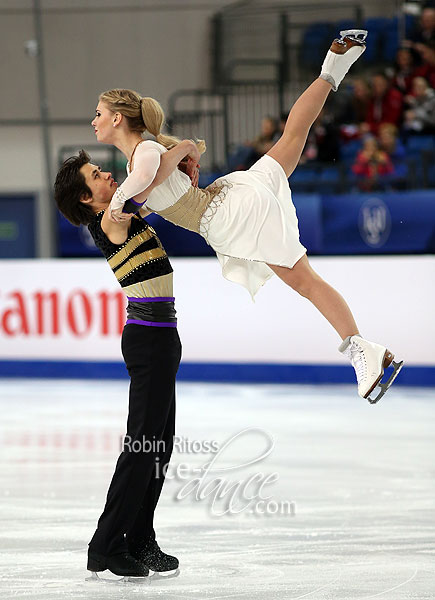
[65, 317]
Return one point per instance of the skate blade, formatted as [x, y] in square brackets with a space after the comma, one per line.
[356, 35]
[386, 362]
[154, 575]
[127, 580]
[397, 366]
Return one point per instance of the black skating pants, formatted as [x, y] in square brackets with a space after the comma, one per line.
[152, 356]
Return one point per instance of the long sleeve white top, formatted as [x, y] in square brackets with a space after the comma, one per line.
[146, 165]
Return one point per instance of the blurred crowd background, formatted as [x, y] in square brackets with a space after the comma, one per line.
[379, 127]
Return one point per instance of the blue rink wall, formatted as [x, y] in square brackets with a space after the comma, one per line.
[213, 372]
[63, 318]
[330, 224]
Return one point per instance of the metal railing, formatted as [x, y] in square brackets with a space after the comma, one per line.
[274, 32]
[223, 118]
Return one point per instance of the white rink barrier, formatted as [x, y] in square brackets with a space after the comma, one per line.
[73, 310]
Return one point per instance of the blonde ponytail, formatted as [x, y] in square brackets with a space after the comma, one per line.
[154, 117]
[142, 114]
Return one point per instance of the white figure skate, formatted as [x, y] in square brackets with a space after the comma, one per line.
[369, 361]
[343, 53]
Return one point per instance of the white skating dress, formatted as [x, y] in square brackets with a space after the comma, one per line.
[247, 217]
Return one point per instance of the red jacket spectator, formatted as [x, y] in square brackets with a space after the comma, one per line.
[385, 106]
[371, 165]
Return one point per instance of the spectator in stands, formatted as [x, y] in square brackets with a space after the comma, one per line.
[424, 33]
[427, 67]
[361, 100]
[405, 70]
[385, 106]
[323, 142]
[390, 143]
[264, 141]
[354, 108]
[371, 165]
[420, 116]
[245, 156]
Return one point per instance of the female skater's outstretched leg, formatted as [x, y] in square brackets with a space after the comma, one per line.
[287, 152]
[304, 280]
[368, 359]
[288, 149]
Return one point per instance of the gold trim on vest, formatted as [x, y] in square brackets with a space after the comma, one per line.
[129, 247]
[159, 286]
[137, 261]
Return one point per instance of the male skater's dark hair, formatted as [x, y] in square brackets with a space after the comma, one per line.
[70, 186]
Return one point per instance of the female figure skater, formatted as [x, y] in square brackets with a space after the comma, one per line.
[248, 216]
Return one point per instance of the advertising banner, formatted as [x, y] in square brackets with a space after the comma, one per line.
[75, 310]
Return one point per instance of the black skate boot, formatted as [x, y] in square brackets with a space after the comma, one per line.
[122, 564]
[155, 559]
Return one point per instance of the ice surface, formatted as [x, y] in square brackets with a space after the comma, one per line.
[359, 481]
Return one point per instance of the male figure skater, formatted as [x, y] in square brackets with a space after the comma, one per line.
[124, 541]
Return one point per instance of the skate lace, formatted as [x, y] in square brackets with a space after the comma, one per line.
[358, 362]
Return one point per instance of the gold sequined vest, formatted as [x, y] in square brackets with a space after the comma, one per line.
[188, 211]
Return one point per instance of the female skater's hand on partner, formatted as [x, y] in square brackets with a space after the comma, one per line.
[193, 153]
[192, 169]
[189, 168]
[195, 180]
[117, 216]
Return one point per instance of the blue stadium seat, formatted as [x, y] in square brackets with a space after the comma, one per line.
[304, 179]
[329, 179]
[417, 144]
[376, 27]
[390, 42]
[303, 175]
[345, 24]
[376, 23]
[315, 43]
[431, 176]
[373, 49]
[415, 171]
[410, 22]
[330, 174]
[349, 150]
[387, 31]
